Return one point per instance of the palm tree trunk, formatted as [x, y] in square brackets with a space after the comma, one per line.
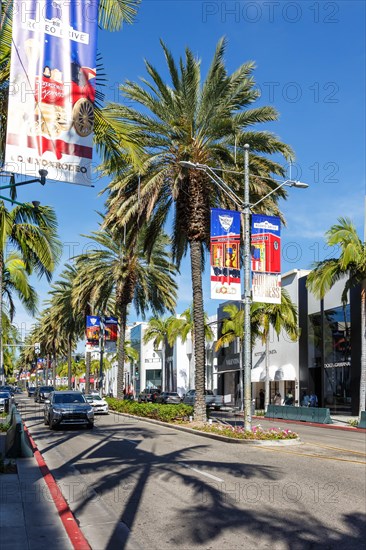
[199, 331]
[2, 369]
[163, 371]
[266, 383]
[121, 351]
[87, 372]
[54, 367]
[69, 364]
[363, 349]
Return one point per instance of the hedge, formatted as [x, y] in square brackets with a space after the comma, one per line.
[157, 411]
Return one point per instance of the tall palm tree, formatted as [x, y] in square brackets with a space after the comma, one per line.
[352, 265]
[70, 319]
[184, 120]
[281, 317]
[120, 268]
[32, 233]
[183, 327]
[160, 331]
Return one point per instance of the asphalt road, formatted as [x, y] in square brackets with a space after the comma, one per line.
[133, 484]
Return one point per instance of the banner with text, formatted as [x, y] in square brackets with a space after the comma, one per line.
[92, 333]
[225, 254]
[52, 89]
[266, 259]
[110, 334]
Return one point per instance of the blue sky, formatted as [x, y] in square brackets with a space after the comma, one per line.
[310, 59]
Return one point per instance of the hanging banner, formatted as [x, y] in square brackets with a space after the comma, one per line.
[266, 259]
[110, 334]
[225, 253]
[92, 330]
[52, 89]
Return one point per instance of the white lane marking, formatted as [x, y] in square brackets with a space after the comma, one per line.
[201, 472]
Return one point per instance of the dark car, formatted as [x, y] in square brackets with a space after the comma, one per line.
[148, 395]
[5, 401]
[67, 408]
[169, 398]
[31, 391]
[42, 393]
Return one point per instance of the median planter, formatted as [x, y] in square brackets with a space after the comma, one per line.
[176, 416]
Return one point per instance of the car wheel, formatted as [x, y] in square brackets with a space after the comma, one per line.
[90, 426]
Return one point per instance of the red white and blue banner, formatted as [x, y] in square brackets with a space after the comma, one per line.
[225, 254]
[110, 334]
[52, 89]
[93, 329]
[266, 259]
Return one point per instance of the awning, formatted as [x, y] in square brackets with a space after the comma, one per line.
[276, 373]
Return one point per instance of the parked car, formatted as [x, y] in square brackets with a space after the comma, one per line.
[31, 391]
[42, 393]
[5, 401]
[148, 395]
[212, 400]
[98, 403]
[169, 398]
[66, 408]
[10, 389]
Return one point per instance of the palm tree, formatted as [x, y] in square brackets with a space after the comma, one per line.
[187, 121]
[69, 319]
[120, 269]
[160, 331]
[183, 327]
[352, 265]
[281, 316]
[32, 233]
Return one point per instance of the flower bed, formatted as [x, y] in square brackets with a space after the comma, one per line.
[179, 415]
[257, 433]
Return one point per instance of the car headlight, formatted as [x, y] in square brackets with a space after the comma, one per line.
[90, 414]
[57, 412]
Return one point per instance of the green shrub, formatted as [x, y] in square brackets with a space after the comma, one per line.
[157, 411]
[353, 422]
[4, 426]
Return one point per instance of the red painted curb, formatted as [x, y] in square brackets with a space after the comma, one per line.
[70, 524]
[316, 424]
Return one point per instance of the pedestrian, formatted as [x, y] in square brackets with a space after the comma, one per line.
[261, 399]
[277, 400]
[289, 399]
[313, 400]
[305, 401]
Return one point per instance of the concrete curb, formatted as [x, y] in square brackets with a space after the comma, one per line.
[218, 437]
[69, 522]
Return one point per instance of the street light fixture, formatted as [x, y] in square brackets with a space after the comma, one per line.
[245, 207]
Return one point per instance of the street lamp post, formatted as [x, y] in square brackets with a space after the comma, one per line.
[247, 355]
[245, 207]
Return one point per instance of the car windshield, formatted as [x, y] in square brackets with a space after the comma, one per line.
[68, 398]
[172, 394]
[93, 398]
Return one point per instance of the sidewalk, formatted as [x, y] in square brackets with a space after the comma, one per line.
[29, 519]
